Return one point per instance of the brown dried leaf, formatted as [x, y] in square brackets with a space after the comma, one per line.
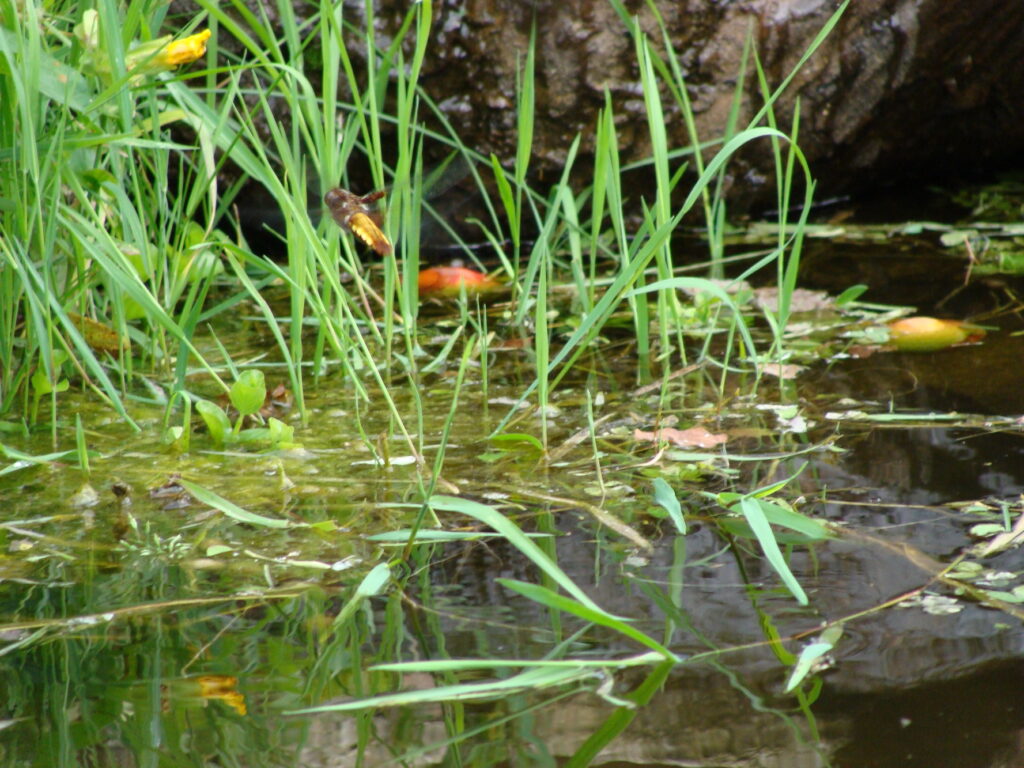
[782, 370]
[694, 437]
[801, 300]
[100, 337]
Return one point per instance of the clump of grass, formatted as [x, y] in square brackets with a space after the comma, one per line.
[96, 206]
[123, 248]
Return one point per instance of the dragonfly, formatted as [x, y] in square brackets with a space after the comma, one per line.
[358, 215]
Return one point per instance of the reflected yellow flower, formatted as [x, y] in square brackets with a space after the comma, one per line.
[211, 686]
[236, 701]
[222, 687]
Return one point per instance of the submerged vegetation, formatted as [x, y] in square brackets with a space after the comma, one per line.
[393, 440]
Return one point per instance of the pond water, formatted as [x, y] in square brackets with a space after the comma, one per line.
[141, 627]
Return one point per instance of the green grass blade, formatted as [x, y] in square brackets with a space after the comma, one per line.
[751, 509]
[231, 509]
[551, 599]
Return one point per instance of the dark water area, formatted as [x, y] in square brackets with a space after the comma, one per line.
[135, 630]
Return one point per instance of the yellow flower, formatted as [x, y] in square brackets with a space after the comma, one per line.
[222, 687]
[149, 58]
[215, 686]
[162, 54]
[183, 51]
[236, 701]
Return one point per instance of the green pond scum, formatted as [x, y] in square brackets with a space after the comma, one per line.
[249, 595]
[650, 502]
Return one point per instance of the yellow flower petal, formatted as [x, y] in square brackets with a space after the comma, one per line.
[183, 51]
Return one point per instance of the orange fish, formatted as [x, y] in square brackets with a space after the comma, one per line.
[354, 213]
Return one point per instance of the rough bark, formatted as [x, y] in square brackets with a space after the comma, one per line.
[902, 89]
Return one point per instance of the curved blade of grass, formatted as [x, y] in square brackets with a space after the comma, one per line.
[530, 680]
[518, 539]
[432, 535]
[777, 514]
[545, 596]
[23, 460]
[579, 604]
[665, 497]
[620, 719]
[230, 509]
[702, 284]
[751, 510]
[464, 665]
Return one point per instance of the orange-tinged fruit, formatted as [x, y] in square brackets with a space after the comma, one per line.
[927, 334]
[451, 281]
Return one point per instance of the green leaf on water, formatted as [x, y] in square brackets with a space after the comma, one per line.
[808, 657]
[216, 421]
[851, 294]
[518, 440]
[249, 392]
[665, 497]
[230, 509]
[753, 511]
[280, 432]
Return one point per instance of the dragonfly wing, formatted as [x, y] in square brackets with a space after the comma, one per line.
[364, 227]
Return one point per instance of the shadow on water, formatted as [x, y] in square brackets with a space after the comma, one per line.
[138, 630]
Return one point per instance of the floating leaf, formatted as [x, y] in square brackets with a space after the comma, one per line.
[851, 294]
[249, 392]
[518, 440]
[786, 371]
[810, 657]
[280, 433]
[1004, 540]
[84, 497]
[216, 421]
[665, 497]
[211, 499]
